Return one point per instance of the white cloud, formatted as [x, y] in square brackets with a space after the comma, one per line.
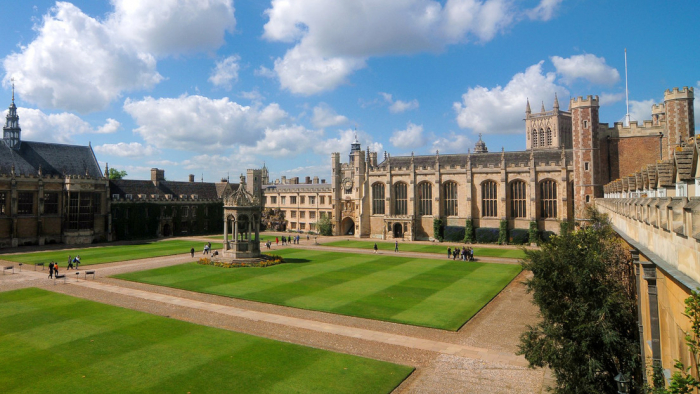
[226, 72]
[640, 110]
[588, 67]
[343, 141]
[39, 126]
[332, 39]
[411, 137]
[399, 106]
[284, 141]
[80, 63]
[123, 149]
[545, 10]
[253, 95]
[500, 110]
[324, 116]
[611, 98]
[200, 123]
[453, 143]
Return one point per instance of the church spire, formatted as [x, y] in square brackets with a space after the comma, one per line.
[11, 132]
[543, 110]
[556, 102]
[527, 107]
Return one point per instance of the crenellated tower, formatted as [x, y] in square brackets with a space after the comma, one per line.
[547, 129]
[680, 117]
[588, 183]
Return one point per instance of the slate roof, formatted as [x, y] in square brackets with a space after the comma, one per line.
[311, 187]
[545, 156]
[203, 190]
[54, 159]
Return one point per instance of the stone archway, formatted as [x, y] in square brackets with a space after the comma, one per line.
[398, 230]
[166, 230]
[347, 227]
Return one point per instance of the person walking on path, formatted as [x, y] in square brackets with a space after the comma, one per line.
[77, 261]
[449, 252]
[209, 246]
[396, 246]
[277, 241]
[51, 270]
[454, 253]
[192, 252]
[55, 270]
[70, 262]
[375, 247]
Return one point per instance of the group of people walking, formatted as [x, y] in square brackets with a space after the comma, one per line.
[73, 263]
[466, 254]
[289, 240]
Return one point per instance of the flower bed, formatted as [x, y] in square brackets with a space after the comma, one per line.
[264, 261]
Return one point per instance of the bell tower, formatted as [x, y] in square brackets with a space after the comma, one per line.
[11, 132]
[586, 144]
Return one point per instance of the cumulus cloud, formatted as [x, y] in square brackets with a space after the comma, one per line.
[196, 122]
[284, 141]
[588, 67]
[611, 98]
[39, 126]
[453, 143]
[399, 106]
[80, 63]
[501, 110]
[411, 137]
[334, 39]
[343, 141]
[124, 149]
[324, 116]
[226, 72]
[545, 10]
[640, 110]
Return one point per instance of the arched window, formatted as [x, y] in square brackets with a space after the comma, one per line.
[378, 199]
[400, 199]
[549, 136]
[542, 137]
[425, 198]
[548, 199]
[518, 200]
[450, 197]
[489, 199]
[534, 138]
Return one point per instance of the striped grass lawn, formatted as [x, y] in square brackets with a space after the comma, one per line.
[425, 248]
[423, 292]
[54, 343]
[110, 254]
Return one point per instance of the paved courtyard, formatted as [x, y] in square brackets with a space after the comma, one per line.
[479, 358]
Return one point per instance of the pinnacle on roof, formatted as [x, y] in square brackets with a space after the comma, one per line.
[480, 146]
[556, 102]
[543, 110]
[527, 107]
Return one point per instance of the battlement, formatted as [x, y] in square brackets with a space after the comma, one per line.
[635, 129]
[658, 109]
[679, 94]
[580, 102]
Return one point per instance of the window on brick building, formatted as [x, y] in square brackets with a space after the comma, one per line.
[548, 199]
[302, 214]
[294, 225]
[585, 124]
[301, 199]
[50, 203]
[312, 215]
[585, 166]
[378, 198]
[425, 198]
[312, 200]
[322, 200]
[450, 197]
[283, 199]
[302, 226]
[80, 211]
[194, 212]
[273, 199]
[400, 199]
[293, 214]
[518, 199]
[25, 203]
[292, 199]
[312, 226]
[489, 199]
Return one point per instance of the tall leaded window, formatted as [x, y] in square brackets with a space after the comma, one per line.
[549, 136]
[425, 198]
[400, 199]
[50, 203]
[542, 137]
[548, 199]
[518, 201]
[3, 203]
[25, 203]
[489, 199]
[80, 211]
[377, 199]
[534, 138]
[450, 197]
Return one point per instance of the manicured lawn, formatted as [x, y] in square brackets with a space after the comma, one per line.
[109, 254]
[423, 292]
[53, 343]
[440, 249]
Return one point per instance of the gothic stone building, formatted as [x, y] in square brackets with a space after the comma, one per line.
[569, 156]
[49, 193]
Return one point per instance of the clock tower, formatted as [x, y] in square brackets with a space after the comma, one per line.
[350, 197]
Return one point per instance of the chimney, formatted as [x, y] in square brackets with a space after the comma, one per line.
[323, 181]
[315, 180]
[284, 180]
[307, 180]
[295, 180]
[157, 175]
[191, 178]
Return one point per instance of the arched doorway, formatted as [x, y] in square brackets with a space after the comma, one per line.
[166, 230]
[398, 230]
[347, 227]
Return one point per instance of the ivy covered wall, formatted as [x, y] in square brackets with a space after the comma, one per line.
[140, 220]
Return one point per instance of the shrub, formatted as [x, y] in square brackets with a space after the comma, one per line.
[469, 231]
[503, 232]
[519, 236]
[545, 235]
[454, 234]
[438, 229]
[534, 235]
[324, 225]
[487, 235]
[564, 227]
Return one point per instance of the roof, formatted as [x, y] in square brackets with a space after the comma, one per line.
[310, 187]
[203, 190]
[542, 157]
[53, 159]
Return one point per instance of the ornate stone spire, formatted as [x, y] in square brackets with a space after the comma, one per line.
[543, 110]
[480, 146]
[107, 170]
[556, 102]
[527, 107]
[11, 131]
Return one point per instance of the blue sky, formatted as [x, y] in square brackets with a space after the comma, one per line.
[214, 87]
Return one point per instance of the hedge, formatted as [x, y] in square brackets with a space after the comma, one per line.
[454, 234]
[519, 236]
[487, 235]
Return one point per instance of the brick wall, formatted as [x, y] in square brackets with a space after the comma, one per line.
[628, 155]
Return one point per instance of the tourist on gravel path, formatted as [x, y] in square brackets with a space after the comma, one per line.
[375, 247]
[454, 253]
[76, 260]
[192, 252]
[277, 241]
[51, 270]
[449, 252]
[396, 246]
[464, 254]
[55, 269]
[70, 264]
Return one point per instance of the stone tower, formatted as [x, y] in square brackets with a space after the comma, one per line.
[547, 129]
[680, 117]
[254, 182]
[586, 145]
[11, 132]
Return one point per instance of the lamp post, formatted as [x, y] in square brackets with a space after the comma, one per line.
[623, 383]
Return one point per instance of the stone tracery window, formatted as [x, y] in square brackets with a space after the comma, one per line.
[425, 198]
[534, 138]
[400, 199]
[542, 137]
[518, 199]
[549, 136]
[489, 199]
[548, 199]
[378, 199]
[450, 189]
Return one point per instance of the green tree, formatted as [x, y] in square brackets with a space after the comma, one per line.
[582, 283]
[438, 229]
[324, 226]
[503, 232]
[115, 174]
[533, 233]
[469, 231]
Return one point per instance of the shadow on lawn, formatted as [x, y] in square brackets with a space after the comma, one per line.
[296, 261]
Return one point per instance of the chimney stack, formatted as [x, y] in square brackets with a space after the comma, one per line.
[307, 180]
[191, 178]
[315, 180]
[157, 175]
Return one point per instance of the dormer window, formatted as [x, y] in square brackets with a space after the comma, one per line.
[128, 196]
[115, 197]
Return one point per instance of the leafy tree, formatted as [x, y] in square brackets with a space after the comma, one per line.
[324, 225]
[534, 235]
[469, 231]
[583, 285]
[503, 232]
[115, 174]
[438, 229]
